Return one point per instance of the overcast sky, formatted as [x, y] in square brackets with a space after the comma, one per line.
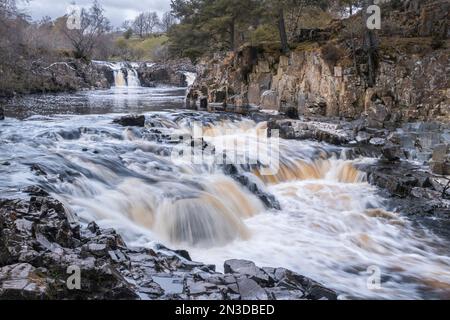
[116, 10]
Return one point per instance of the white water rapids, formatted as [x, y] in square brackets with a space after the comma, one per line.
[332, 226]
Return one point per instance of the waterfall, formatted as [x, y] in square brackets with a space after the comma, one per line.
[131, 79]
[190, 78]
[119, 79]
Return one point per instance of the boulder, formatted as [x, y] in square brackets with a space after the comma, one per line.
[250, 290]
[269, 100]
[292, 113]
[392, 152]
[441, 152]
[377, 141]
[397, 178]
[377, 115]
[440, 167]
[249, 269]
[363, 137]
[440, 163]
[23, 281]
[171, 73]
[131, 121]
[2, 114]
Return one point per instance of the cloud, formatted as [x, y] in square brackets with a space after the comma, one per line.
[117, 11]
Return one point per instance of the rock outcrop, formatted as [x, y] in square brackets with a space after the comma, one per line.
[323, 79]
[133, 120]
[42, 246]
[171, 73]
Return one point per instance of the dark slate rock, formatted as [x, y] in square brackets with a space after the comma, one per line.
[250, 290]
[39, 241]
[131, 121]
[23, 281]
[247, 268]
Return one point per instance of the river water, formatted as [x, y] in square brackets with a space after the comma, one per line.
[333, 226]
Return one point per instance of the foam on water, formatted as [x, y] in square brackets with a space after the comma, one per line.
[333, 225]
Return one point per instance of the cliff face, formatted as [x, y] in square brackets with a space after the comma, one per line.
[409, 86]
[325, 78]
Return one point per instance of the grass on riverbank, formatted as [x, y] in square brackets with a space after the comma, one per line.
[140, 49]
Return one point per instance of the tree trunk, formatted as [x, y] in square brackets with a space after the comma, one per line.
[233, 35]
[282, 30]
[370, 46]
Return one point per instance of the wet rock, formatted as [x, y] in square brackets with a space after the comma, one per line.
[38, 232]
[397, 182]
[249, 269]
[441, 153]
[392, 152]
[97, 249]
[363, 137]
[293, 282]
[278, 293]
[311, 130]
[184, 254]
[94, 228]
[398, 178]
[23, 281]
[378, 114]
[292, 113]
[36, 191]
[377, 141]
[425, 193]
[276, 282]
[39, 243]
[131, 121]
[269, 200]
[2, 114]
[38, 170]
[170, 73]
[441, 168]
[250, 290]
[269, 100]
[440, 163]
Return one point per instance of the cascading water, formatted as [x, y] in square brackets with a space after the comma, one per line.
[119, 78]
[333, 226]
[133, 78]
[190, 78]
[125, 74]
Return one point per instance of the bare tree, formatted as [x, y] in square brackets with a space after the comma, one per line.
[139, 25]
[8, 8]
[145, 24]
[93, 25]
[167, 21]
[151, 22]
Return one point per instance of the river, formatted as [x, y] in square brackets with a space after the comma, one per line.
[333, 226]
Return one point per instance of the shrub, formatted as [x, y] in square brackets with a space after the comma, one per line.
[264, 33]
[331, 54]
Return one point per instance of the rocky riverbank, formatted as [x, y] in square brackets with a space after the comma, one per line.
[322, 91]
[76, 75]
[328, 76]
[42, 243]
[411, 164]
[411, 168]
